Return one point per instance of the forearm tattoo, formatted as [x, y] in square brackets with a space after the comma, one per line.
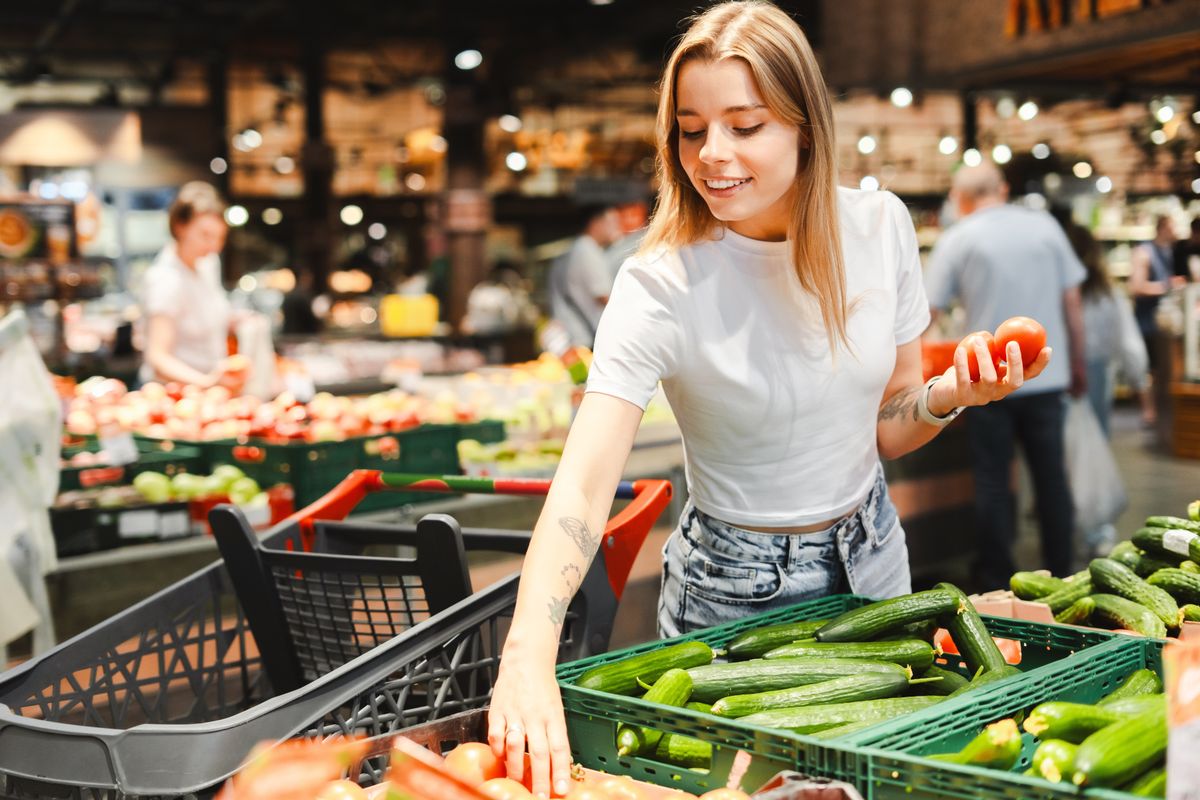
[558, 609]
[577, 529]
[902, 403]
[572, 575]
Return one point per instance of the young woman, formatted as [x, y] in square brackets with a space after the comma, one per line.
[782, 315]
[187, 313]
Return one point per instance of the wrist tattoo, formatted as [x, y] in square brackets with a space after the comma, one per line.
[558, 609]
[902, 403]
[577, 529]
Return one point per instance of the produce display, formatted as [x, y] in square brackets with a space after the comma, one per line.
[1149, 585]
[1119, 742]
[827, 678]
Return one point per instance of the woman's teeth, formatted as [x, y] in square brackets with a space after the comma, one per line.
[725, 184]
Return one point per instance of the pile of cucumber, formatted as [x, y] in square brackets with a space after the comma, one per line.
[1150, 585]
[1119, 742]
[826, 678]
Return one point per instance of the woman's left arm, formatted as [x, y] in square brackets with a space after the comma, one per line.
[900, 428]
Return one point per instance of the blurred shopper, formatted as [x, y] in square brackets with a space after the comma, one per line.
[1112, 341]
[1187, 253]
[1000, 261]
[783, 316]
[581, 280]
[187, 312]
[1152, 274]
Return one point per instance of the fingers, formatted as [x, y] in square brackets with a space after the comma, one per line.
[539, 760]
[514, 751]
[1039, 364]
[962, 372]
[1016, 370]
[497, 725]
[987, 368]
[560, 754]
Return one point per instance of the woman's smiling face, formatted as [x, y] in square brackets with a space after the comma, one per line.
[738, 154]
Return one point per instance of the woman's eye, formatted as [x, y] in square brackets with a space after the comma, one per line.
[748, 131]
[691, 134]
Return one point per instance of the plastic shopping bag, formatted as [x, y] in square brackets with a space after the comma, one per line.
[1096, 485]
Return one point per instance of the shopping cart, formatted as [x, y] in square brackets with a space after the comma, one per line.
[299, 634]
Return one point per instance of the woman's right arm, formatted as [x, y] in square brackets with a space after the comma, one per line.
[1140, 284]
[160, 342]
[564, 541]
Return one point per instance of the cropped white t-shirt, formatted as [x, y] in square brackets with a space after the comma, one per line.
[776, 434]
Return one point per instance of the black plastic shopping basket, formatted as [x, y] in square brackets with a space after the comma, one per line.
[299, 634]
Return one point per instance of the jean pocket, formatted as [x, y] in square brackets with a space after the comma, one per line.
[743, 583]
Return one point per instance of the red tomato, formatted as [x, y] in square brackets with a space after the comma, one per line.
[342, 790]
[1028, 333]
[617, 788]
[725, 794]
[586, 793]
[504, 789]
[972, 362]
[1009, 648]
[474, 762]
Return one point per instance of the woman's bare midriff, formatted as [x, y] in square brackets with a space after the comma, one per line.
[816, 527]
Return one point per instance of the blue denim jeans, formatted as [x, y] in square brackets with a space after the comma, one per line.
[714, 572]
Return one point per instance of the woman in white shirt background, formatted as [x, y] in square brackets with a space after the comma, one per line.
[782, 315]
[186, 309]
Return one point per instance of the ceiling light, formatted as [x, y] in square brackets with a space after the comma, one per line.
[415, 181]
[515, 161]
[866, 145]
[1158, 136]
[1001, 154]
[285, 165]
[1006, 107]
[468, 59]
[1082, 169]
[869, 183]
[1164, 114]
[902, 97]
[510, 123]
[972, 158]
[272, 216]
[351, 215]
[377, 230]
[252, 138]
[1041, 151]
[1104, 184]
[948, 145]
[237, 216]
[437, 143]
[1028, 110]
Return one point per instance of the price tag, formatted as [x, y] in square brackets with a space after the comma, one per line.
[1177, 540]
[1181, 662]
[136, 524]
[120, 447]
[174, 524]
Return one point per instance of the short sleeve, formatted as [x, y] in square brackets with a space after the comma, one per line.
[161, 293]
[640, 336]
[941, 278]
[912, 304]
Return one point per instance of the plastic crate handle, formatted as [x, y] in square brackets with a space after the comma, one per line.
[623, 535]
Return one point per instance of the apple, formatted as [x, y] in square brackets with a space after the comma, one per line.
[211, 486]
[187, 486]
[158, 431]
[243, 490]
[81, 423]
[227, 474]
[324, 430]
[217, 395]
[153, 391]
[154, 486]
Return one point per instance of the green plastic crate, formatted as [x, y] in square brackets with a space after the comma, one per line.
[153, 456]
[429, 449]
[894, 749]
[1042, 645]
[485, 431]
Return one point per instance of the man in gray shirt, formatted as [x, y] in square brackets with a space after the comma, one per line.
[581, 279]
[1002, 261]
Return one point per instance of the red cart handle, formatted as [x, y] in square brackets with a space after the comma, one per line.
[623, 535]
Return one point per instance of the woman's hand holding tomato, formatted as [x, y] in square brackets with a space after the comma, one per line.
[989, 368]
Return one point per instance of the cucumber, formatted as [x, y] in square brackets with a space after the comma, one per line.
[673, 688]
[839, 690]
[970, 635]
[1138, 704]
[1072, 722]
[1194, 511]
[925, 631]
[1054, 760]
[1189, 613]
[683, 751]
[843, 730]
[621, 677]
[1078, 587]
[753, 643]
[1182, 585]
[1172, 523]
[1168, 540]
[1152, 783]
[911, 652]
[985, 678]
[818, 718]
[1119, 579]
[1077, 613]
[998, 746]
[876, 619]
[1149, 564]
[1127, 553]
[1120, 752]
[1190, 567]
[1121, 613]
[1032, 585]
[711, 682]
[694, 706]
[1137, 683]
[950, 680]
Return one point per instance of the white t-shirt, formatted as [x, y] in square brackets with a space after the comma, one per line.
[775, 433]
[197, 303]
[580, 276]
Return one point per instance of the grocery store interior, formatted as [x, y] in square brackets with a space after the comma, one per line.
[247, 248]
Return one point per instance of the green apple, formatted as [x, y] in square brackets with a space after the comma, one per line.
[186, 486]
[227, 474]
[153, 486]
[242, 490]
[211, 486]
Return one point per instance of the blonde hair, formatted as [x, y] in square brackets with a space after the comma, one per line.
[195, 199]
[785, 70]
